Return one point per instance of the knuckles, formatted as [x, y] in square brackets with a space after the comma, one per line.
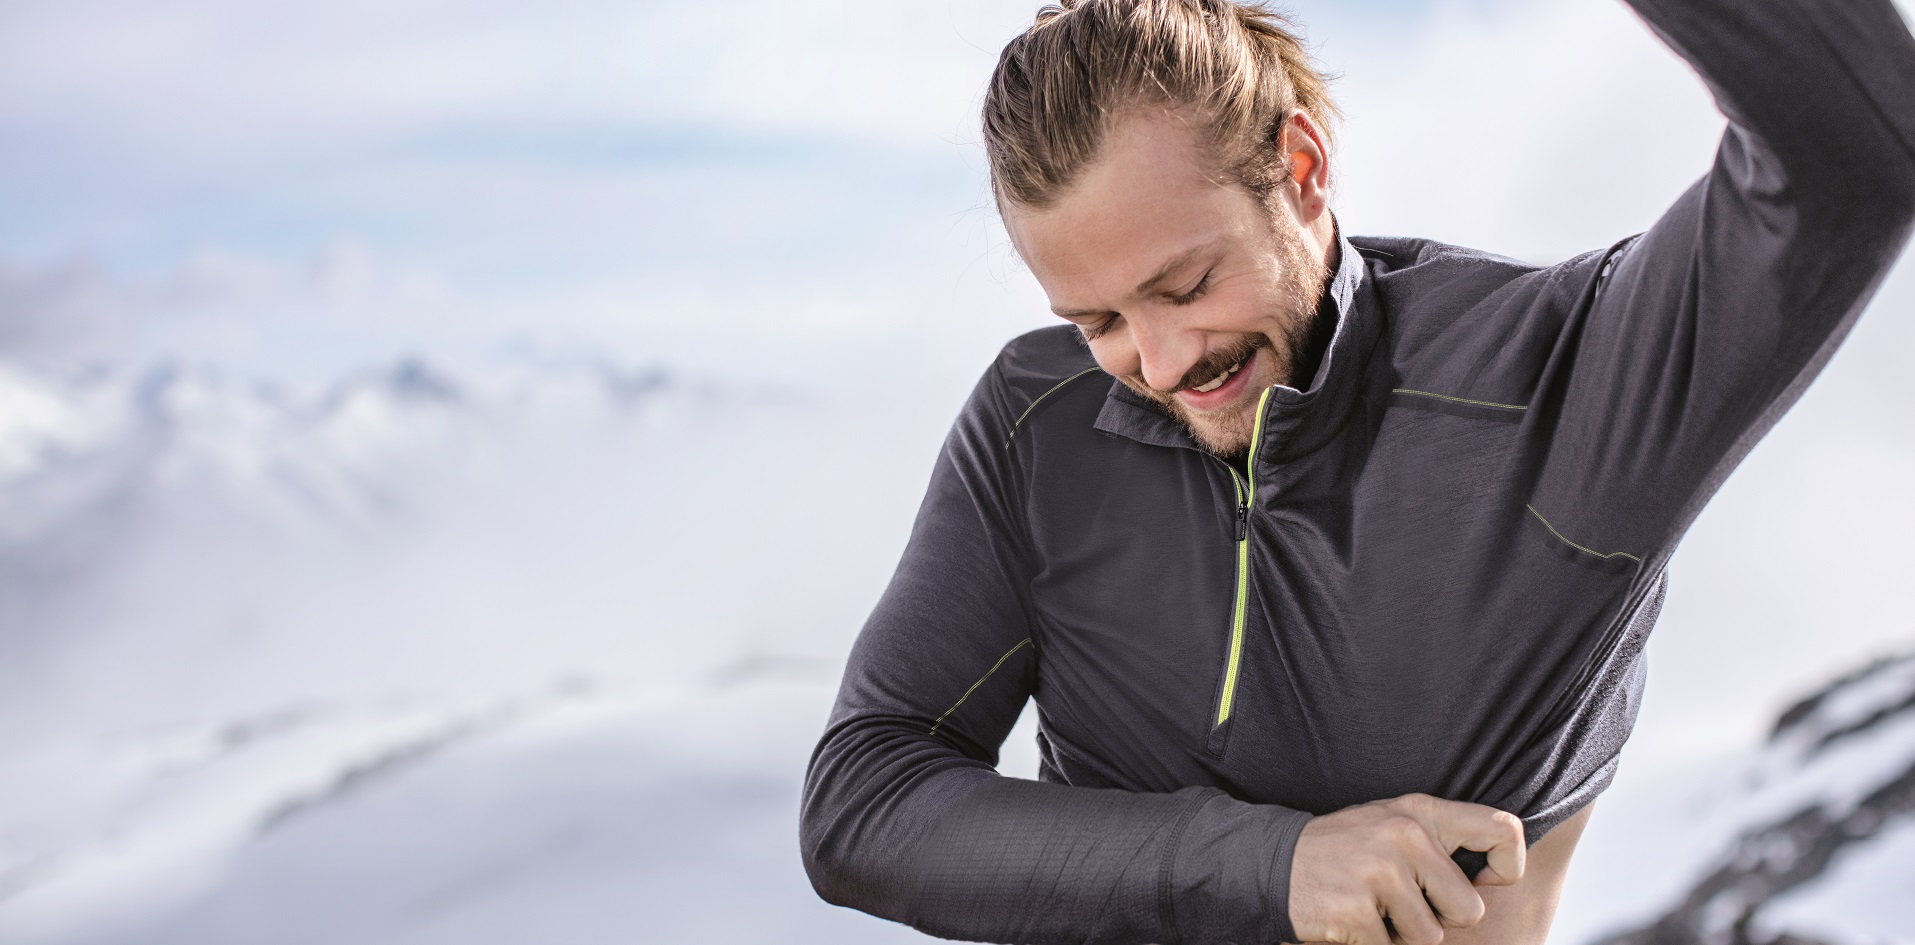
[1508, 821]
[1402, 832]
[1372, 850]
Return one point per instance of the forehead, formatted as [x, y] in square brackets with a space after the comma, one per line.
[1151, 194]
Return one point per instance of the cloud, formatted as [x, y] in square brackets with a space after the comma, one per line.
[1536, 130]
[216, 305]
[202, 77]
[548, 163]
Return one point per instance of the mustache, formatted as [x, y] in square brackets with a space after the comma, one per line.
[1217, 361]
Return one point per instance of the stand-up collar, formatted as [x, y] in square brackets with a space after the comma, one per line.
[1294, 421]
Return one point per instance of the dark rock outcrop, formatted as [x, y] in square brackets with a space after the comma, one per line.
[1771, 857]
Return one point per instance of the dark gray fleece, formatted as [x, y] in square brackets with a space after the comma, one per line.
[1453, 555]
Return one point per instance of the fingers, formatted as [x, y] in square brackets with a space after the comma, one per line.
[1410, 914]
[1373, 929]
[1498, 833]
[1508, 857]
[1449, 892]
[1381, 873]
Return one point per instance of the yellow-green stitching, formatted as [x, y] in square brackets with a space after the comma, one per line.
[1039, 400]
[1458, 400]
[1566, 541]
[980, 681]
[1247, 493]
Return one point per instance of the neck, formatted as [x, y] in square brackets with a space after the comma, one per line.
[1307, 357]
[1313, 341]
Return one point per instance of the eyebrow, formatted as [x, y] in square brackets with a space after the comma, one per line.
[1148, 285]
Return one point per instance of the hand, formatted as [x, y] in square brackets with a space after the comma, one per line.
[1391, 860]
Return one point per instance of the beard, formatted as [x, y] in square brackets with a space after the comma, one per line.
[1300, 278]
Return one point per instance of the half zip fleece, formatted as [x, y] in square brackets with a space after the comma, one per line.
[1460, 536]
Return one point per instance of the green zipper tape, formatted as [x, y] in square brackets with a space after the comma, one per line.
[1246, 493]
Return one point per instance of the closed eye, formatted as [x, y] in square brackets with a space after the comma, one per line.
[1195, 292]
[1094, 332]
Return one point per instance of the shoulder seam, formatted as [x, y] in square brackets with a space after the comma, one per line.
[1060, 385]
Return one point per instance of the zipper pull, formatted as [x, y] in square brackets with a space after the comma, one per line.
[1243, 521]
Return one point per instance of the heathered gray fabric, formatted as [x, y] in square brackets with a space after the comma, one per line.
[1456, 546]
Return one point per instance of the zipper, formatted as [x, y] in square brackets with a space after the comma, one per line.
[1246, 491]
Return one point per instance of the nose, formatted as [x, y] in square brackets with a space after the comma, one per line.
[1165, 351]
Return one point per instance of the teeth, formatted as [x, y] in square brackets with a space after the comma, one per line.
[1217, 381]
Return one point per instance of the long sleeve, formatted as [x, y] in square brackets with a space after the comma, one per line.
[903, 815]
[1704, 329]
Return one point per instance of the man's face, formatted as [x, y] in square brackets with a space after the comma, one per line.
[1188, 288]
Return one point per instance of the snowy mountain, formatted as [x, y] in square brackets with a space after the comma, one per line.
[528, 652]
[1812, 841]
[84, 435]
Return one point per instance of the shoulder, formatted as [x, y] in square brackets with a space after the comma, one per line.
[1411, 269]
[1036, 365]
[1048, 373]
[1462, 316]
[1425, 277]
[1034, 361]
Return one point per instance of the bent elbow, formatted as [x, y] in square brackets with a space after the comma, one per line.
[833, 858]
[841, 876]
[824, 866]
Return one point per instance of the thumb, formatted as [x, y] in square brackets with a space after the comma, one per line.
[1486, 844]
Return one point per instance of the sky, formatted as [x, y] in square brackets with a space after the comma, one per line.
[776, 196]
[310, 186]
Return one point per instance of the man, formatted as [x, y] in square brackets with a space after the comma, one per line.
[1328, 560]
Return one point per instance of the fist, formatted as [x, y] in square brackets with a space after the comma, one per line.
[1366, 871]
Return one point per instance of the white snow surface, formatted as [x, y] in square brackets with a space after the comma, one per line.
[529, 653]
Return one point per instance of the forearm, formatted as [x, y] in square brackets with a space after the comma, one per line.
[905, 817]
[970, 855]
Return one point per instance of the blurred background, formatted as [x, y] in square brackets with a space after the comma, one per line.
[447, 449]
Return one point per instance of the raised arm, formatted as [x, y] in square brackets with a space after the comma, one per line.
[1707, 327]
[904, 816]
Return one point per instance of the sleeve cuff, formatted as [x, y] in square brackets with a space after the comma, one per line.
[1230, 878]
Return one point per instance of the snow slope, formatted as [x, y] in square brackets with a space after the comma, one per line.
[534, 652]
[1810, 839]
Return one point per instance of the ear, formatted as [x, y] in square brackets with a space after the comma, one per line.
[1302, 145]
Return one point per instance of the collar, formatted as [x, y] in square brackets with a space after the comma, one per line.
[1294, 421]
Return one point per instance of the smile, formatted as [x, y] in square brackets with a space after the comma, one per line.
[1217, 381]
[1222, 391]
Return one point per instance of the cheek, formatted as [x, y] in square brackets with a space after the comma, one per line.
[1115, 354]
[1249, 309]
[1251, 313]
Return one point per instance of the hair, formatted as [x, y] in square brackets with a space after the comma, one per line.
[1238, 68]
